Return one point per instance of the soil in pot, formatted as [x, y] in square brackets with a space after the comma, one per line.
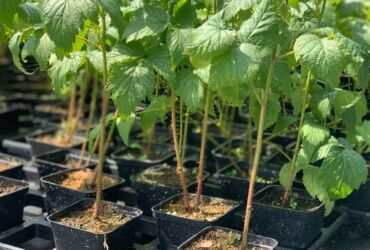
[49, 108]
[7, 165]
[140, 153]
[210, 208]
[220, 240]
[110, 218]
[6, 188]
[165, 175]
[57, 139]
[82, 181]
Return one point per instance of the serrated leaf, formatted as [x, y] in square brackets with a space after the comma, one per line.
[272, 112]
[313, 185]
[184, 13]
[156, 110]
[364, 131]
[233, 7]
[9, 8]
[124, 125]
[122, 53]
[62, 71]
[284, 173]
[342, 171]
[64, 18]
[313, 136]
[211, 38]
[159, 59]
[113, 8]
[352, 102]
[263, 26]
[177, 41]
[322, 56]
[203, 73]
[148, 21]
[190, 88]
[30, 12]
[130, 83]
[236, 95]
[297, 100]
[321, 103]
[235, 66]
[14, 44]
[40, 47]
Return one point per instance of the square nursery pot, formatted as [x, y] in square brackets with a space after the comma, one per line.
[236, 187]
[260, 242]
[174, 230]
[222, 160]
[58, 196]
[149, 195]
[9, 118]
[128, 167]
[67, 237]
[50, 111]
[291, 228]
[39, 148]
[35, 236]
[56, 160]
[11, 204]
[11, 166]
[358, 199]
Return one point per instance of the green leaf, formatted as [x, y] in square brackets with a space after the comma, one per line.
[159, 59]
[233, 7]
[190, 88]
[30, 13]
[283, 123]
[40, 47]
[184, 13]
[284, 173]
[122, 53]
[148, 21]
[347, 101]
[313, 185]
[211, 38]
[156, 110]
[124, 125]
[272, 112]
[322, 56]
[263, 26]
[113, 8]
[297, 100]
[177, 41]
[62, 71]
[342, 170]
[9, 8]
[321, 103]
[235, 66]
[364, 131]
[14, 44]
[313, 136]
[64, 18]
[130, 83]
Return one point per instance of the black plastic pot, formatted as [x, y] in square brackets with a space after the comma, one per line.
[35, 236]
[58, 196]
[253, 240]
[236, 188]
[222, 160]
[174, 230]
[11, 204]
[39, 148]
[291, 228]
[55, 160]
[39, 112]
[15, 170]
[359, 199]
[9, 119]
[128, 167]
[149, 195]
[67, 237]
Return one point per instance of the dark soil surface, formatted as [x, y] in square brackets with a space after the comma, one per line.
[6, 188]
[275, 198]
[143, 154]
[7, 165]
[110, 218]
[209, 209]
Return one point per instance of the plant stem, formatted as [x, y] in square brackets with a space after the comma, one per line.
[110, 132]
[179, 166]
[181, 127]
[257, 154]
[90, 119]
[292, 170]
[321, 14]
[105, 102]
[152, 129]
[72, 102]
[203, 145]
[185, 137]
[249, 139]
